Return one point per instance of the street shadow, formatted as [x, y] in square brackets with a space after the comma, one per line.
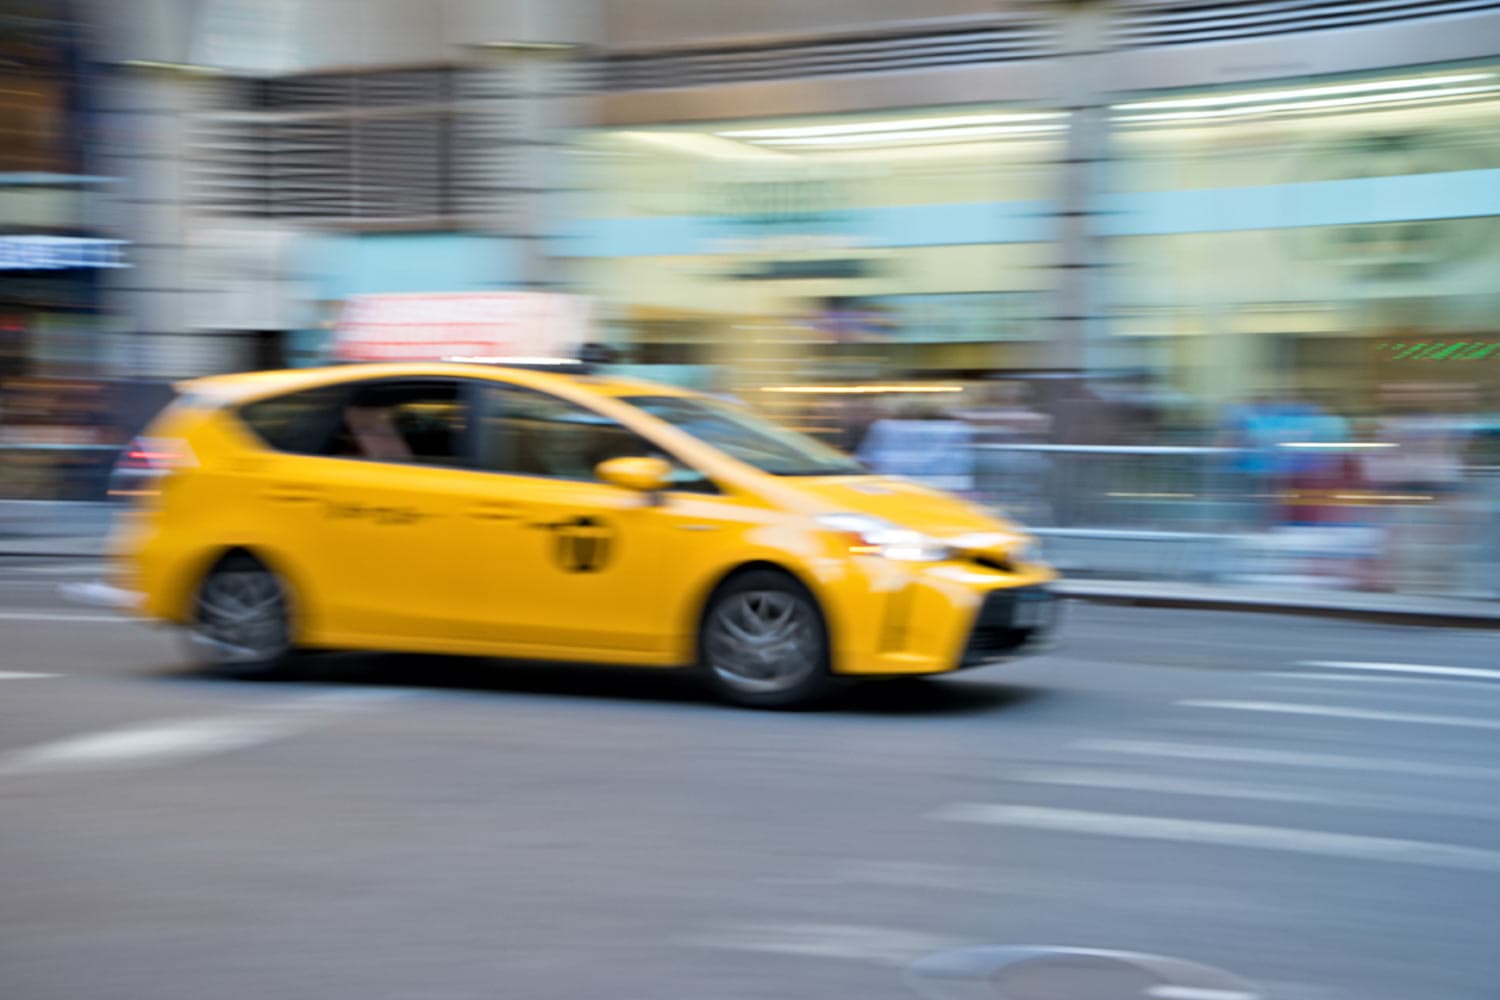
[918, 696]
[893, 697]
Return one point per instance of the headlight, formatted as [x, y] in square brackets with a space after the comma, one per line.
[871, 536]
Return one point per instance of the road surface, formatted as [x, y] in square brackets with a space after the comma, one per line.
[1308, 805]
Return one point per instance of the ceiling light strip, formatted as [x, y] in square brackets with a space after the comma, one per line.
[896, 125]
[1324, 105]
[1306, 92]
[919, 135]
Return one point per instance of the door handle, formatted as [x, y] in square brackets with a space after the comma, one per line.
[495, 511]
[292, 494]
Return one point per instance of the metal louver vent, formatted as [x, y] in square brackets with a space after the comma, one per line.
[485, 167]
[305, 167]
[326, 91]
[399, 167]
[409, 147]
[231, 163]
[1145, 23]
[1019, 39]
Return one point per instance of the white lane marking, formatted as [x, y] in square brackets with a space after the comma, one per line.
[157, 743]
[1197, 993]
[1286, 758]
[1387, 679]
[1435, 689]
[850, 941]
[99, 594]
[21, 675]
[1402, 668]
[52, 616]
[173, 740]
[1340, 712]
[1137, 782]
[1269, 838]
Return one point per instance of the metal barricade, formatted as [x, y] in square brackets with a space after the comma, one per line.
[1157, 511]
[1145, 487]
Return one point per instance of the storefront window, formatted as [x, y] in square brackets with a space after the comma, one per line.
[1304, 237]
[744, 253]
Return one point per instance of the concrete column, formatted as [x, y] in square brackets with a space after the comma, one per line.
[146, 114]
[520, 105]
[1078, 327]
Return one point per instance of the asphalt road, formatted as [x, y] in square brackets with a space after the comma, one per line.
[1183, 784]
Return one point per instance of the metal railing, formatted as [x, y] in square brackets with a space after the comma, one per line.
[1155, 488]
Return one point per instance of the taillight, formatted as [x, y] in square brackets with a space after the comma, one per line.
[143, 464]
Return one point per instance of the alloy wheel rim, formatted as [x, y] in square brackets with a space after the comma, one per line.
[241, 616]
[762, 640]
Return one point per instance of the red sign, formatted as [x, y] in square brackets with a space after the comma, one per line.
[429, 327]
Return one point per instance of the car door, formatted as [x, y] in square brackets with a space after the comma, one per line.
[583, 569]
[375, 514]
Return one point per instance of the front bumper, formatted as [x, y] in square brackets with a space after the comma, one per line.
[944, 617]
[1010, 621]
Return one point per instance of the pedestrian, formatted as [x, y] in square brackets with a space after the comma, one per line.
[1010, 472]
[1419, 472]
[924, 444]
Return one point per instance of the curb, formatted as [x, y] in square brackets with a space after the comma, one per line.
[1430, 612]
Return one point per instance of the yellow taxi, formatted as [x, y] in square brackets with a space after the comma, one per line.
[499, 511]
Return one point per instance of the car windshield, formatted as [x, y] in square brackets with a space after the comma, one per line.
[751, 439]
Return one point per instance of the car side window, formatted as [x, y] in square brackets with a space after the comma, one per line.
[299, 422]
[531, 433]
[417, 422]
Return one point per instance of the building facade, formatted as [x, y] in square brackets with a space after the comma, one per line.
[1220, 194]
[53, 249]
[278, 156]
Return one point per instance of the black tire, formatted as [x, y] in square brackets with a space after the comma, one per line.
[763, 642]
[241, 623]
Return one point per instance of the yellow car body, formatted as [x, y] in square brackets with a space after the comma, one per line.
[404, 554]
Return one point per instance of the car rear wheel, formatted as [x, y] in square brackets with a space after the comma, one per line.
[763, 642]
[241, 623]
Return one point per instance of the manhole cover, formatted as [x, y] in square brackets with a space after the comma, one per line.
[1058, 973]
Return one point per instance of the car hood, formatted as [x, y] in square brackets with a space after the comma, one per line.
[911, 505]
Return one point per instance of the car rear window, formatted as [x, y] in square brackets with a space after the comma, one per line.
[299, 422]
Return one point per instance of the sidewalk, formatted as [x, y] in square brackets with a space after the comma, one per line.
[54, 528]
[1404, 609]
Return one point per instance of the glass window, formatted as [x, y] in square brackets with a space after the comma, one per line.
[299, 422]
[742, 435]
[418, 422]
[533, 434]
[924, 227]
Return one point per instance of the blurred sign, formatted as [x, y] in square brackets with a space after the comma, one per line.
[805, 204]
[427, 327]
[962, 317]
[56, 253]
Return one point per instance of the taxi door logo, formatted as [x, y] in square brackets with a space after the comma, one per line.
[583, 544]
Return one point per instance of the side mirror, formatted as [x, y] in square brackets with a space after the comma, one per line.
[644, 475]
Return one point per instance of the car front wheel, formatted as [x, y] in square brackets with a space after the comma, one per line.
[763, 642]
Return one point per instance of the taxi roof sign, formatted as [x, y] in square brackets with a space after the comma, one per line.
[430, 326]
